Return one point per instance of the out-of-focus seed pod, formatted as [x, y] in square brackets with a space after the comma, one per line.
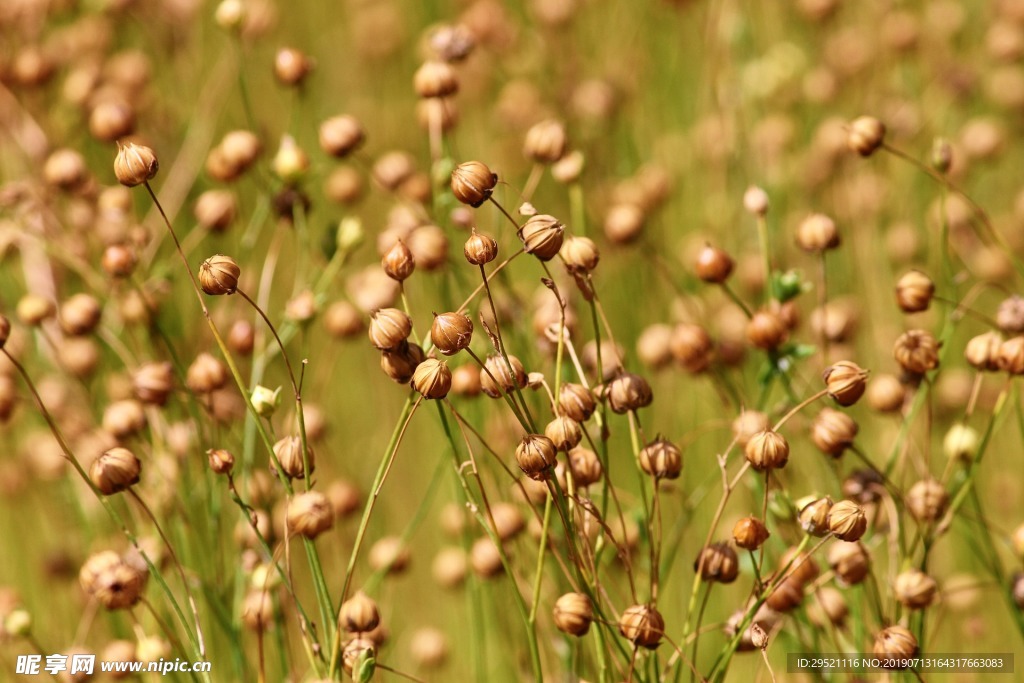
[691, 346]
[573, 613]
[258, 610]
[766, 330]
[546, 142]
[220, 460]
[961, 443]
[242, 337]
[472, 183]
[623, 223]
[942, 155]
[787, 596]
[358, 657]
[866, 135]
[850, 562]
[833, 432]
[569, 168]
[799, 564]
[118, 260]
[135, 164]
[714, 265]
[750, 533]
[755, 201]
[536, 456]
[291, 162]
[291, 67]
[914, 292]
[895, 645]
[115, 470]
[927, 500]
[982, 351]
[829, 607]
[218, 275]
[153, 382]
[847, 521]
[290, 457]
[495, 377]
[435, 79]
[748, 424]
[215, 210]
[389, 327]
[885, 393]
[432, 379]
[111, 120]
[817, 233]
[309, 514]
[767, 450]
[846, 382]
[585, 467]
[389, 554]
[339, 136]
[1010, 358]
[661, 459]
[429, 246]
[485, 558]
[717, 562]
[917, 351]
[80, 314]
[915, 589]
[642, 625]
[206, 374]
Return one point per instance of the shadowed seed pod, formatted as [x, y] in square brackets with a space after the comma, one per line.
[545, 142]
[309, 514]
[152, 383]
[814, 515]
[917, 351]
[291, 66]
[863, 485]
[847, 521]
[817, 233]
[389, 554]
[766, 330]
[219, 275]
[536, 456]
[289, 455]
[135, 164]
[389, 327]
[767, 450]
[661, 459]
[451, 332]
[691, 346]
[866, 135]
[802, 565]
[495, 377]
[114, 471]
[124, 418]
[914, 292]
[585, 467]
[895, 645]
[927, 500]
[579, 254]
[542, 236]
[472, 183]
[576, 401]
[573, 613]
[1010, 358]
[432, 379]
[111, 120]
[850, 562]
[714, 265]
[242, 337]
[435, 79]
[480, 249]
[982, 351]
[845, 382]
[717, 562]
[119, 260]
[833, 432]
[398, 262]
[642, 625]
[113, 582]
[359, 614]
[750, 533]
[829, 607]
[787, 596]
[339, 136]
[626, 392]
[221, 461]
[915, 589]
[564, 432]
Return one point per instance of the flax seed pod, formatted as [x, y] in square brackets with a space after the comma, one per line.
[1010, 315]
[480, 249]
[580, 254]
[748, 424]
[847, 521]
[642, 625]
[542, 236]
[389, 554]
[623, 223]
[714, 265]
[359, 614]
[661, 459]
[750, 533]
[866, 135]
[626, 392]
[80, 314]
[218, 275]
[215, 210]
[65, 169]
[288, 452]
[291, 67]
[833, 432]
[239, 150]
[575, 401]
[472, 183]
[850, 562]
[564, 432]
[766, 330]
[813, 515]
[466, 381]
[496, 379]
[982, 351]
[389, 327]
[485, 558]
[886, 394]
[206, 374]
[755, 201]
[1011, 356]
[817, 233]
[114, 471]
[767, 450]
[914, 292]
[585, 467]
[258, 610]
[535, 455]
[432, 379]
[717, 562]
[787, 596]
[339, 136]
[435, 79]
[846, 382]
[242, 337]
[451, 332]
[152, 383]
[309, 514]
[691, 346]
[917, 351]
[546, 142]
[429, 246]
[221, 461]
[573, 613]
[927, 500]
[829, 608]
[895, 645]
[799, 564]
[398, 262]
[355, 657]
[508, 520]
[914, 589]
[111, 120]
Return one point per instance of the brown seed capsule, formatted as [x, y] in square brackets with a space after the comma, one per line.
[717, 562]
[206, 374]
[542, 236]
[850, 562]
[218, 275]
[80, 314]
[885, 393]
[508, 520]
[915, 589]
[624, 222]
[115, 470]
[579, 254]
[341, 135]
[714, 265]
[480, 249]
[258, 610]
[153, 382]
[545, 142]
[1010, 315]
[829, 607]
[917, 351]
[982, 351]
[927, 500]
[846, 382]
[1010, 358]
[135, 164]
[111, 581]
[466, 380]
[240, 149]
[833, 432]
[626, 392]
[787, 596]
[661, 459]
[767, 450]
[432, 379]
[288, 452]
[398, 262]
[389, 554]
[642, 625]
[451, 332]
[576, 401]
[242, 337]
[359, 614]
[429, 246]
[485, 558]
[573, 613]
[800, 565]
[766, 330]
[914, 292]
[65, 169]
[435, 79]
[847, 521]
[569, 168]
[123, 419]
[813, 515]
[472, 183]
[817, 233]
[535, 455]
[585, 467]
[215, 210]
[564, 432]
[866, 135]
[309, 514]
[220, 460]
[111, 120]
[750, 533]
[389, 327]
[495, 377]
[748, 424]
[896, 646]
[291, 66]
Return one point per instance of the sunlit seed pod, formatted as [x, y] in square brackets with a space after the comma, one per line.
[813, 515]
[817, 233]
[627, 391]
[573, 614]
[152, 383]
[714, 265]
[535, 455]
[218, 275]
[579, 254]
[288, 452]
[480, 249]
[472, 183]
[564, 432]
[750, 533]
[866, 135]
[927, 500]
[389, 327]
[291, 67]
[359, 614]
[624, 222]
[847, 521]
[961, 443]
[111, 120]
[398, 262]
[400, 363]
[495, 377]
[766, 330]
[432, 379]
[114, 471]
[767, 450]
[846, 382]
[485, 558]
[435, 79]
[546, 142]
[451, 332]
[341, 135]
[215, 209]
[1010, 358]
[914, 589]
[389, 554]
[661, 459]
[755, 201]
[885, 393]
[914, 292]
[221, 461]
[642, 625]
[585, 467]
[135, 164]
[917, 351]
[983, 351]
[80, 314]
[542, 236]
